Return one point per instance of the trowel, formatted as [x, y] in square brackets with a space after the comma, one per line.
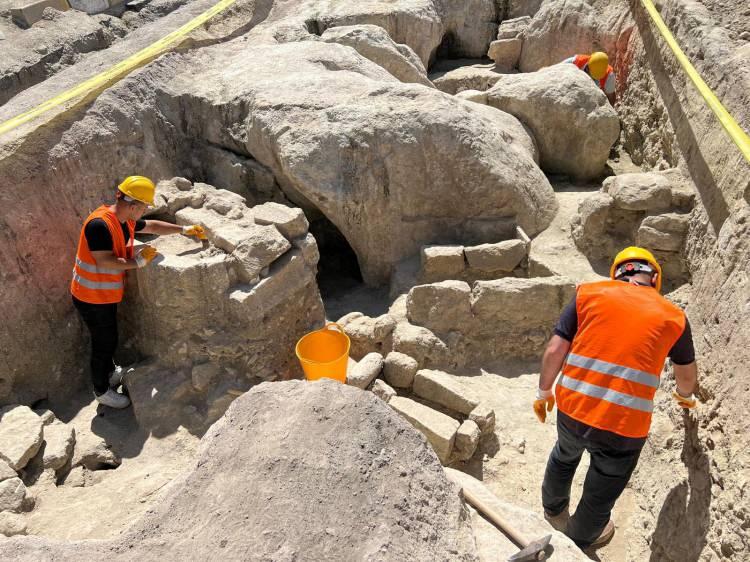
[530, 550]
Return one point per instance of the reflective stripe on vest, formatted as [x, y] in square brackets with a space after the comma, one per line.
[97, 285]
[612, 372]
[96, 269]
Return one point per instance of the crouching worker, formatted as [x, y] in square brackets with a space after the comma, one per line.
[105, 252]
[596, 65]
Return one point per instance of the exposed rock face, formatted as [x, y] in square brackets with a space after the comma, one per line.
[374, 43]
[385, 491]
[474, 77]
[569, 116]
[20, 435]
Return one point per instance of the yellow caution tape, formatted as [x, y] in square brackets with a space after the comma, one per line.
[735, 132]
[118, 71]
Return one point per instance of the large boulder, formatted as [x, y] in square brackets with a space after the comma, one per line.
[572, 121]
[479, 76]
[374, 43]
[263, 472]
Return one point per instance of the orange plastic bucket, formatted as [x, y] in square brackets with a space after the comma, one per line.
[324, 353]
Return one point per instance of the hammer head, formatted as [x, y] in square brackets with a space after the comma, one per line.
[535, 550]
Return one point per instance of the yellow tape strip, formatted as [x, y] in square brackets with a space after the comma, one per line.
[118, 71]
[735, 132]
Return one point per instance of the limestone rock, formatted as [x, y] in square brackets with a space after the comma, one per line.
[522, 8]
[441, 307]
[646, 191]
[260, 248]
[570, 118]
[47, 416]
[505, 52]
[368, 334]
[663, 232]
[21, 435]
[444, 389]
[220, 200]
[6, 471]
[513, 28]
[442, 262]
[473, 95]
[502, 256]
[382, 390]
[12, 524]
[12, 494]
[374, 43]
[473, 77]
[93, 453]
[399, 369]
[290, 221]
[59, 440]
[202, 375]
[419, 343]
[484, 417]
[366, 370]
[467, 439]
[439, 429]
[309, 248]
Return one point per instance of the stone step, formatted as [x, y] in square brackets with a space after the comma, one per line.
[439, 429]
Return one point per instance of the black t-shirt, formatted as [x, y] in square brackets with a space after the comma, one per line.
[98, 237]
[682, 352]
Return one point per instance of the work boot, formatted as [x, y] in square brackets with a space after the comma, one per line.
[115, 379]
[605, 536]
[113, 399]
[559, 522]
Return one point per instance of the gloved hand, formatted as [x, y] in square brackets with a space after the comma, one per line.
[687, 402]
[145, 255]
[194, 230]
[545, 401]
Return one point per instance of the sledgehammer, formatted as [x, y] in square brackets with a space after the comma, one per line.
[536, 550]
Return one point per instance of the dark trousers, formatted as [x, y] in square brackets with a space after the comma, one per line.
[612, 463]
[101, 320]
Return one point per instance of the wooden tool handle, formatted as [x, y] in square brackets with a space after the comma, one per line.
[496, 518]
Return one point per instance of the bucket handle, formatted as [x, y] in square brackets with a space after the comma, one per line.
[329, 324]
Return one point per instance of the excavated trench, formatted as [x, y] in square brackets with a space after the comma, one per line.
[226, 142]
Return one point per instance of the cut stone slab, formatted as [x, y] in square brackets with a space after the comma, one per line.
[291, 222]
[663, 232]
[29, 13]
[502, 256]
[467, 439]
[21, 435]
[442, 388]
[261, 246]
[400, 369]
[382, 390]
[12, 494]
[59, 439]
[505, 52]
[647, 191]
[12, 524]
[484, 417]
[442, 262]
[441, 307]
[439, 429]
[419, 343]
[367, 369]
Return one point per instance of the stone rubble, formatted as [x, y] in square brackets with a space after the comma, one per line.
[366, 370]
[21, 435]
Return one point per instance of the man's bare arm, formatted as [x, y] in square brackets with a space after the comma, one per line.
[552, 361]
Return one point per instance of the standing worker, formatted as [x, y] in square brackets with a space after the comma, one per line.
[105, 252]
[597, 66]
[610, 342]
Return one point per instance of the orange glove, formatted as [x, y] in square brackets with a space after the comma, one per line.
[687, 402]
[194, 230]
[145, 255]
[544, 403]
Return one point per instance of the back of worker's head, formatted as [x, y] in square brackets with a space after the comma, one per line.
[637, 264]
[598, 64]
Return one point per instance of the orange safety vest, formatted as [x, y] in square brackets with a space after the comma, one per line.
[582, 60]
[94, 284]
[611, 373]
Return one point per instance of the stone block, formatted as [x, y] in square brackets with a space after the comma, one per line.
[309, 248]
[442, 262]
[382, 390]
[93, 453]
[484, 417]
[439, 429]
[419, 343]
[400, 369]
[646, 191]
[94, 6]
[444, 389]
[46, 415]
[663, 232]
[21, 435]
[512, 28]
[291, 222]
[503, 256]
[467, 439]
[261, 246]
[59, 439]
[505, 52]
[12, 494]
[441, 307]
[221, 200]
[29, 13]
[12, 524]
[366, 370]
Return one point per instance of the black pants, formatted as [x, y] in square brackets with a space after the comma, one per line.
[101, 320]
[612, 463]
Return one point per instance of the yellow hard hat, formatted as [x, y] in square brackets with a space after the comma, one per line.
[634, 253]
[598, 64]
[139, 188]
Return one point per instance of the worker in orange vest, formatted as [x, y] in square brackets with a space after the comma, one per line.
[611, 343]
[105, 253]
[597, 66]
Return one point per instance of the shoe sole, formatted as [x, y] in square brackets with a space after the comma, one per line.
[604, 538]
